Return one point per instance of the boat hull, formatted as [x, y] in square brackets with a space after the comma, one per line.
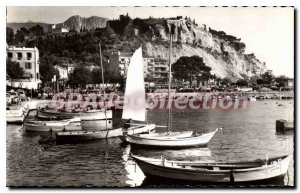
[16, 119]
[75, 127]
[136, 130]
[85, 116]
[167, 170]
[176, 142]
[96, 124]
[88, 135]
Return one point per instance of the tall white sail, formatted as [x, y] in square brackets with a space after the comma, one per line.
[134, 99]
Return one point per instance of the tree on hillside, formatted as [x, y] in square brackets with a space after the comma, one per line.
[241, 82]
[36, 30]
[267, 77]
[10, 36]
[21, 35]
[47, 72]
[80, 76]
[191, 68]
[13, 69]
[96, 76]
[226, 81]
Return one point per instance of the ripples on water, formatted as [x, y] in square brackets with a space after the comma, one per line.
[34, 159]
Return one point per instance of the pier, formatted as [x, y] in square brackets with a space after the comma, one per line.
[283, 126]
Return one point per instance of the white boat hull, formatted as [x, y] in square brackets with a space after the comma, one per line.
[136, 130]
[180, 171]
[172, 141]
[53, 129]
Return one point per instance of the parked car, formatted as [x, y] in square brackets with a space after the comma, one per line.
[14, 97]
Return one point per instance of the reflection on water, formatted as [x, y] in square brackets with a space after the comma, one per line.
[135, 175]
[34, 159]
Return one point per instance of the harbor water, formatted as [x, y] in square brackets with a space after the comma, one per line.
[34, 159]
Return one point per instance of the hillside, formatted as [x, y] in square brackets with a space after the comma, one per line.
[224, 53]
[75, 22]
[17, 25]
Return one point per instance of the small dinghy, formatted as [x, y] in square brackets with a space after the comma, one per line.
[61, 125]
[247, 171]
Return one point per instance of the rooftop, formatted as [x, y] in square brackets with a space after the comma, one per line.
[20, 49]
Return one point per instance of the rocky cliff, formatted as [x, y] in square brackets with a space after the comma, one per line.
[75, 22]
[225, 54]
[81, 23]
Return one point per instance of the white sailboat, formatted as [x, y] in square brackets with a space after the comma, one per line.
[135, 106]
[168, 139]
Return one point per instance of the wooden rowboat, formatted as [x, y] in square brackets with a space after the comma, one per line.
[54, 126]
[215, 171]
[85, 116]
[87, 135]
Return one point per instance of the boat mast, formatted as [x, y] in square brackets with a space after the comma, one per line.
[170, 81]
[103, 89]
[146, 118]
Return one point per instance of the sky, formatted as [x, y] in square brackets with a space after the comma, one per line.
[267, 32]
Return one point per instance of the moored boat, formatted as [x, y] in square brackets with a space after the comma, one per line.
[84, 115]
[245, 171]
[136, 129]
[135, 91]
[68, 136]
[161, 140]
[172, 140]
[59, 125]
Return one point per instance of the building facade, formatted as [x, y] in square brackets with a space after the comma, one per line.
[289, 82]
[63, 72]
[57, 30]
[28, 58]
[155, 70]
[160, 70]
[120, 60]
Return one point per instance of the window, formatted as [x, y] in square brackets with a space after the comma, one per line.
[19, 54]
[29, 55]
[9, 55]
[27, 65]
[31, 75]
[37, 75]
